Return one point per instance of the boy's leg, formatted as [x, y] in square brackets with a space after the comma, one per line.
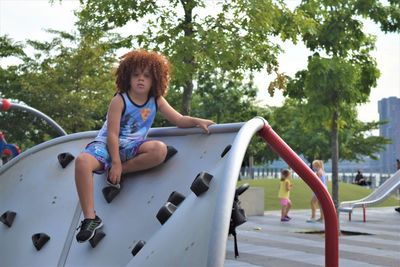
[85, 164]
[150, 154]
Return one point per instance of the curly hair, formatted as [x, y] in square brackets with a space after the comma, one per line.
[159, 67]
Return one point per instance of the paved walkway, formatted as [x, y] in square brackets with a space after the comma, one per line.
[265, 241]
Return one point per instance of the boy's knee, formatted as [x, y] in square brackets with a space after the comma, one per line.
[159, 149]
[82, 161]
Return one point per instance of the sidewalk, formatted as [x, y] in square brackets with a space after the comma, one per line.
[265, 241]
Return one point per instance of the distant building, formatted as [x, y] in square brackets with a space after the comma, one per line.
[389, 110]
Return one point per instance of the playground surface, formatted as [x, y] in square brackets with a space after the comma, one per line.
[265, 241]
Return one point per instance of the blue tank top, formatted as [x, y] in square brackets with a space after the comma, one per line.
[136, 121]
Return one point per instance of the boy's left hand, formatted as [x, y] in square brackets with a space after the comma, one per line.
[114, 175]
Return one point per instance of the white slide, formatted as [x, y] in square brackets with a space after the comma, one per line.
[377, 196]
[42, 195]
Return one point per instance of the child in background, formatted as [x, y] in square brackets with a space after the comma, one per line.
[318, 167]
[284, 195]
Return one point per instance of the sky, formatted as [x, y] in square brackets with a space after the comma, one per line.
[28, 19]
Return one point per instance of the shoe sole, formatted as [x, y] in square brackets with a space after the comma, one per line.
[93, 233]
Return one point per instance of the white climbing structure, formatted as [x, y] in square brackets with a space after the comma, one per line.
[44, 198]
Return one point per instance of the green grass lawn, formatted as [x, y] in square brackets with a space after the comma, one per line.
[301, 193]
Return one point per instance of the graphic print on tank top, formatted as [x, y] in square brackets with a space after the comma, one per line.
[135, 123]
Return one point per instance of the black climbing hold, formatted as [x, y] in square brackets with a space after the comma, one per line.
[138, 247]
[165, 212]
[65, 158]
[226, 150]
[201, 183]
[8, 218]
[110, 192]
[176, 198]
[98, 236]
[171, 151]
[39, 240]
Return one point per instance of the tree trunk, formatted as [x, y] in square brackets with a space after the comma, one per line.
[187, 97]
[335, 159]
[187, 25]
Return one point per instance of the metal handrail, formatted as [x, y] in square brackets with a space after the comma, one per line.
[312, 180]
[6, 105]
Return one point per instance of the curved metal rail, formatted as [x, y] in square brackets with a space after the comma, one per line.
[6, 105]
[312, 180]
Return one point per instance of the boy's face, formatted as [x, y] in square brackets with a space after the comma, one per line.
[141, 81]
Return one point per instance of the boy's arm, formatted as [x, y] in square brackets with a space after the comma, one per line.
[178, 119]
[113, 127]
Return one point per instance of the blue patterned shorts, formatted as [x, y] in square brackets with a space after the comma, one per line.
[100, 152]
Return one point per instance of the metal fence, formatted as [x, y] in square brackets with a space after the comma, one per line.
[376, 179]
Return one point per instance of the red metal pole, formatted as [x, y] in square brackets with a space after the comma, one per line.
[364, 215]
[328, 207]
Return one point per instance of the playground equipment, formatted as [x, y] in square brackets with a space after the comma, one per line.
[7, 105]
[39, 202]
[7, 151]
[376, 197]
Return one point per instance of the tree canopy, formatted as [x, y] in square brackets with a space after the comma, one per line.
[296, 124]
[236, 37]
[69, 78]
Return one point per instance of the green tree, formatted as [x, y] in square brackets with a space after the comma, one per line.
[333, 87]
[335, 83]
[236, 39]
[224, 97]
[312, 139]
[9, 48]
[69, 78]
[228, 98]
[9, 83]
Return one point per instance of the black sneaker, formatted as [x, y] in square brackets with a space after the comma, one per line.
[88, 228]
